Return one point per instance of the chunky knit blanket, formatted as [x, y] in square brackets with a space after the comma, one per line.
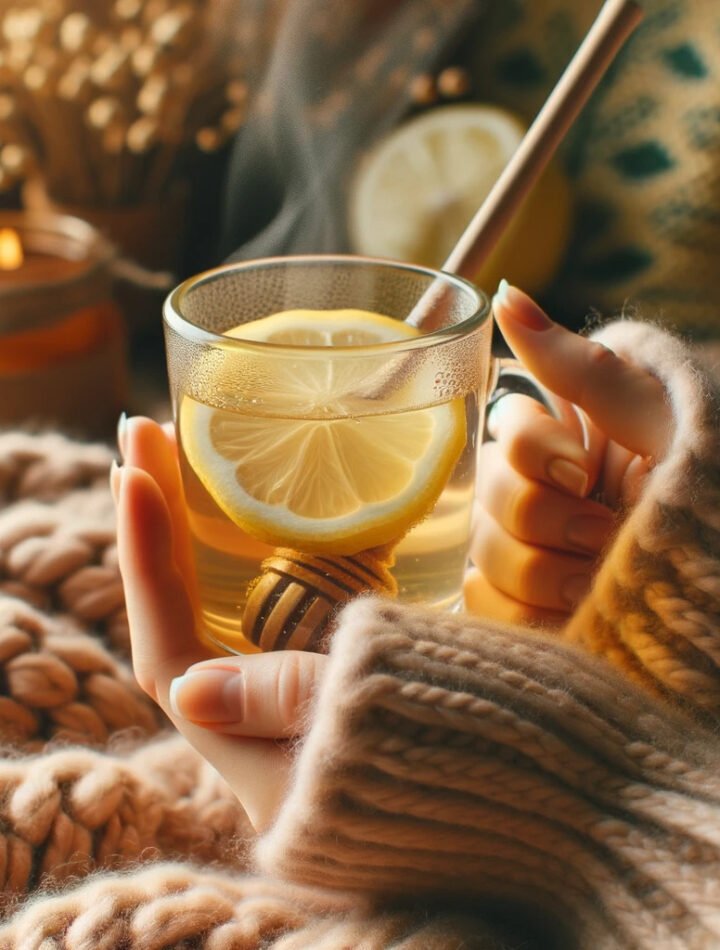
[462, 783]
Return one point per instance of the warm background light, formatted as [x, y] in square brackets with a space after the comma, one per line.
[11, 252]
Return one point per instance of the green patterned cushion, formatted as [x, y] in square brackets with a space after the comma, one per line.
[644, 157]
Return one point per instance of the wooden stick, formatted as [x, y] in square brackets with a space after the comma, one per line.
[615, 22]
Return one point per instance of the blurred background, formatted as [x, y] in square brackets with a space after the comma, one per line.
[182, 133]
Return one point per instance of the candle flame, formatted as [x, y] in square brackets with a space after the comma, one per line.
[11, 252]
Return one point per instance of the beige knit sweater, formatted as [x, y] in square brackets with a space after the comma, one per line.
[462, 783]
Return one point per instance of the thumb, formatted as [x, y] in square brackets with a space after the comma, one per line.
[627, 403]
[263, 695]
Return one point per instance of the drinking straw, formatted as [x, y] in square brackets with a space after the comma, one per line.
[615, 22]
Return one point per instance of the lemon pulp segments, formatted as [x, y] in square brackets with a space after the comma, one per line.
[339, 484]
[417, 188]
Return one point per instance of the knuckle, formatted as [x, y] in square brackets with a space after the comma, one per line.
[522, 510]
[599, 355]
[292, 688]
[601, 368]
[600, 360]
[521, 444]
[146, 681]
[530, 570]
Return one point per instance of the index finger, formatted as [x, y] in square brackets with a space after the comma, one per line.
[625, 401]
[160, 612]
[152, 448]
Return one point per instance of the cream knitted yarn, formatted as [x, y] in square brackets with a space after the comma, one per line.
[654, 609]
[464, 759]
[57, 540]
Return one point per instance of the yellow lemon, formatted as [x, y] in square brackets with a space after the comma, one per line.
[339, 484]
[416, 190]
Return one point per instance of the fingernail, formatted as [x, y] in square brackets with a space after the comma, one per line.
[115, 480]
[208, 696]
[569, 476]
[502, 290]
[122, 433]
[521, 308]
[575, 588]
[588, 532]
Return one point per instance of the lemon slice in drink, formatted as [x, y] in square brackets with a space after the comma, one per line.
[337, 485]
[417, 189]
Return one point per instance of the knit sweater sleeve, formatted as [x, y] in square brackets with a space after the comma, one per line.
[454, 757]
[654, 607]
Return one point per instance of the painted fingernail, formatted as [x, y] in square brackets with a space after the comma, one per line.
[208, 696]
[588, 532]
[115, 479]
[575, 588]
[569, 476]
[521, 307]
[122, 433]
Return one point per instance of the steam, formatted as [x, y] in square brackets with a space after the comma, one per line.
[337, 78]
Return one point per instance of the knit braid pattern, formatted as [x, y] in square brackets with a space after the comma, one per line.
[47, 465]
[654, 608]
[69, 812]
[490, 764]
[179, 906]
[63, 685]
[57, 539]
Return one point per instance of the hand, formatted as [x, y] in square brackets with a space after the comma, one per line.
[538, 534]
[236, 711]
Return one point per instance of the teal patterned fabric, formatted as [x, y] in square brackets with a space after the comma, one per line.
[643, 158]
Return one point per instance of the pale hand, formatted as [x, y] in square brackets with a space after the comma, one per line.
[238, 712]
[532, 536]
[538, 533]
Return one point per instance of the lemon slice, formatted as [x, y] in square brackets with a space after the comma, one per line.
[323, 485]
[417, 189]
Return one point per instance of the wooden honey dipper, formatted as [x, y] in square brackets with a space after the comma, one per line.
[292, 603]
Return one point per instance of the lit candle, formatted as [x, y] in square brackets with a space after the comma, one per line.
[18, 268]
[11, 252]
[62, 347]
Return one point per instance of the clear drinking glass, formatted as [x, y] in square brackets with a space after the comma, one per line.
[329, 454]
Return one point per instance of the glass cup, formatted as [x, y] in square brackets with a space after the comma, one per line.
[326, 455]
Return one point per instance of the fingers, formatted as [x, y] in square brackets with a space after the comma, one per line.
[539, 446]
[164, 645]
[160, 613]
[536, 513]
[262, 695]
[151, 447]
[484, 600]
[586, 374]
[550, 580]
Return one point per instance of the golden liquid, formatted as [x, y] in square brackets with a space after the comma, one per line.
[430, 560]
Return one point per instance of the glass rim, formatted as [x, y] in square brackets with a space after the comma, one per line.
[173, 317]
